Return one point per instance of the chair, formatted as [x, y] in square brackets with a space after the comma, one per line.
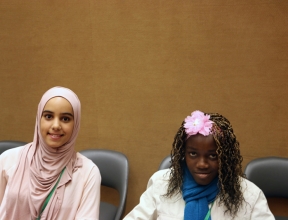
[165, 164]
[5, 145]
[114, 170]
[270, 174]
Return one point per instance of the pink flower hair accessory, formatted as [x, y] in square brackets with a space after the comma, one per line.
[198, 122]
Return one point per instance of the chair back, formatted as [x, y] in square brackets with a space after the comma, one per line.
[165, 163]
[6, 145]
[270, 174]
[114, 170]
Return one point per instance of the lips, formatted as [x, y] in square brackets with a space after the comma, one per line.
[202, 175]
[55, 136]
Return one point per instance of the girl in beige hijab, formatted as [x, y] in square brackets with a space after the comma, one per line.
[47, 179]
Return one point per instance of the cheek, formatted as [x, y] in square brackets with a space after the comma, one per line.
[44, 128]
[43, 125]
[69, 128]
[190, 163]
[216, 166]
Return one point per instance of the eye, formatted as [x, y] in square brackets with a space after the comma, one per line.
[213, 156]
[66, 119]
[192, 154]
[47, 116]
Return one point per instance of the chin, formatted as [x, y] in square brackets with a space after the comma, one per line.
[201, 183]
[54, 145]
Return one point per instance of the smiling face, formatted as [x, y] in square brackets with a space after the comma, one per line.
[57, 122]
[201, 158]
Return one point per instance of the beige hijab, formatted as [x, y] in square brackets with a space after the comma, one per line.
[39, 167]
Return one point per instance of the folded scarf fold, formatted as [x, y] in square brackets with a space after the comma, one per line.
[197, 197]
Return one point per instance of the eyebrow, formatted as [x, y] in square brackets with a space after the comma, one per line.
[64, 113]
[192, 148]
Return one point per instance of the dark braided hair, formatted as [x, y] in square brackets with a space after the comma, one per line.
[229, 158]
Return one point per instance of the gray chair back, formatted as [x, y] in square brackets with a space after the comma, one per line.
[165, 163]
[114, 169]
[270, 174]
[6, 145]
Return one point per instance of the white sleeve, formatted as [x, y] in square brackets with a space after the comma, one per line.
[8, 161]
[261, 209]
[90, 200]
[146, 209]
[3, 181]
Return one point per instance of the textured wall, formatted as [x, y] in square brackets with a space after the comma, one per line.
[140, 67]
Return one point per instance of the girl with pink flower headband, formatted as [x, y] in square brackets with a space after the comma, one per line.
[47, 179]
[205, 180]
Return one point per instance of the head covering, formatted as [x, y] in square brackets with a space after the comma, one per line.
[39, 167]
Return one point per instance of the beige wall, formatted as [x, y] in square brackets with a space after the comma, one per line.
[140, 67]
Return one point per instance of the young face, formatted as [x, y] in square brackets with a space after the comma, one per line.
[57, 122]
[201, 158]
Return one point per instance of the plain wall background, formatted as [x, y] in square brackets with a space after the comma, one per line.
[140, 67]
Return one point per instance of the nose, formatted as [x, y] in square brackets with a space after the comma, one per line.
[56, 125]
[202, 163]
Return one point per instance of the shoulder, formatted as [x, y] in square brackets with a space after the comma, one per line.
[161, 175]
[11, 152]
[248, 187]
[253, 207]
[9, 157]
[88, 166]
[86, 162]
[251, 193]
[159, 179]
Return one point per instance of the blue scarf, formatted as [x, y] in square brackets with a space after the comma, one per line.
[197, 197]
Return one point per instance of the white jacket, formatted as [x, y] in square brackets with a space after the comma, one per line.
[154, 206]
